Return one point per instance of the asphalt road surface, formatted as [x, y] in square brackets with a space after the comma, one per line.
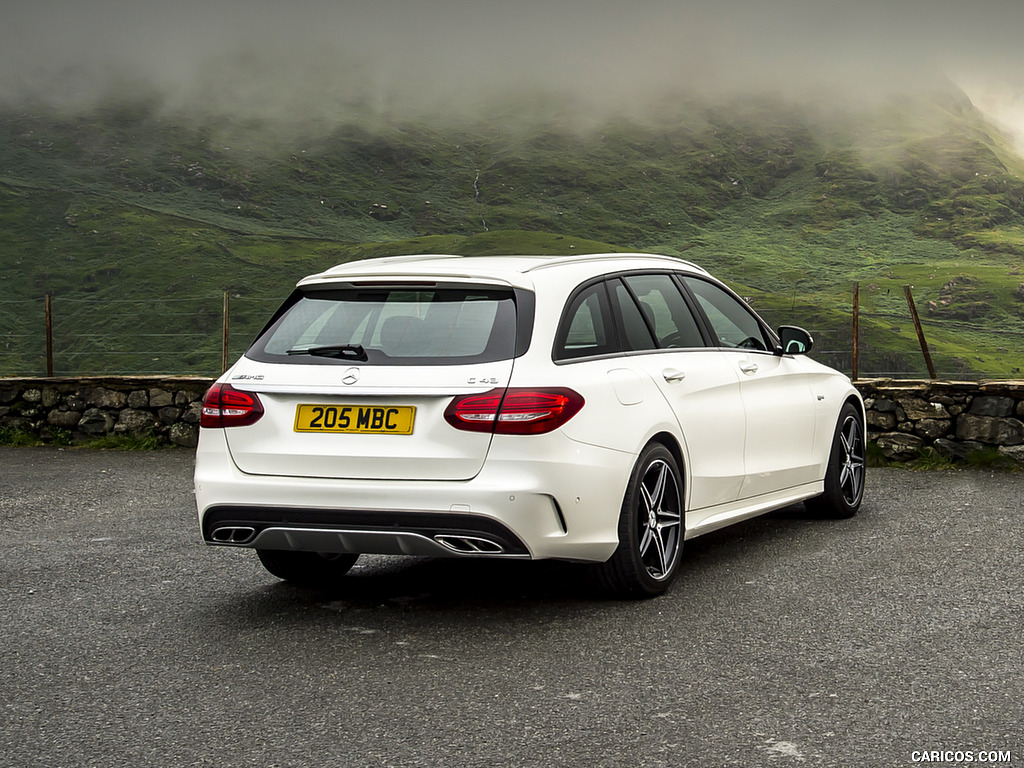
[892, 639]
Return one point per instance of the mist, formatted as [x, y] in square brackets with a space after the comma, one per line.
[310, 60]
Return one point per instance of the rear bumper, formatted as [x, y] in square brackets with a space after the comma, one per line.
[390, 532]
[561, 499]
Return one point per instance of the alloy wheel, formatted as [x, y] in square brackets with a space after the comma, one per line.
[659, 519]
[852, 464]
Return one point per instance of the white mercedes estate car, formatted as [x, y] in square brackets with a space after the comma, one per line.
[596, 408]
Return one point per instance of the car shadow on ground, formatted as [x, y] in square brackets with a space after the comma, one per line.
[408, 583]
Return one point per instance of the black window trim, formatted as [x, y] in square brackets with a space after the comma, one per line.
[707, 335]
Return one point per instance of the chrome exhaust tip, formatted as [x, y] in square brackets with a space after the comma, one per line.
[469, 545]
[233, 534]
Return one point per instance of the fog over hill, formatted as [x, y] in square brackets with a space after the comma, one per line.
[320, 59]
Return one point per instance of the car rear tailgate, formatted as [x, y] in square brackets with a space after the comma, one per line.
[389, 424]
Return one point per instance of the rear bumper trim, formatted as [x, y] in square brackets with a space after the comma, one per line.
[361, 531]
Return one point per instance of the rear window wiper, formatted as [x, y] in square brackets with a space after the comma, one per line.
[340, 351]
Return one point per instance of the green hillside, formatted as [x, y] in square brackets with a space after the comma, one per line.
[137, 223]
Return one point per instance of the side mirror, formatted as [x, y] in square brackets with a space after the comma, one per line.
[795, 341]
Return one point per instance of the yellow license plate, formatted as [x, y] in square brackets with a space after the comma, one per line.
[362, 419]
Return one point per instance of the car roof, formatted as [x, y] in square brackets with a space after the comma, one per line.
[513, 270]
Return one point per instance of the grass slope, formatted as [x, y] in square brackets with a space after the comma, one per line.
[138, 224]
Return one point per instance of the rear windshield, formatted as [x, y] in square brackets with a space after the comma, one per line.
[391, 326]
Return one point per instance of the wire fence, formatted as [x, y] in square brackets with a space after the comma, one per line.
[107, 337]
[880, 358]
[201, 335]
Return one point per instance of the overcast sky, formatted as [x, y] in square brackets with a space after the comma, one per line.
[308, 56]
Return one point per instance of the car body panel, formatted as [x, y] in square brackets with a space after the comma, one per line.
[702, 390]
[776, 392]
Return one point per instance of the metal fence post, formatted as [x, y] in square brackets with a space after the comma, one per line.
[48, 302]
[224, 344]
[920, 332]
[856, 329]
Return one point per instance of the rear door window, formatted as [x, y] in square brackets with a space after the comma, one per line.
[638, 330]
[664, 309]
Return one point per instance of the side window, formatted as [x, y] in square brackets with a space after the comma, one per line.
[586, 326]
[665, 310]
[732, 322]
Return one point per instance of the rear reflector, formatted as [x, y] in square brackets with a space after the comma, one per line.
[225, 406]
[514, 411]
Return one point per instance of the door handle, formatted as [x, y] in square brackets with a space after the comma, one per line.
[748, 368]
[673, 375]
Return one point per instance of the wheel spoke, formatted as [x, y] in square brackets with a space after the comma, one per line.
[669, 519]
[646, 497]
[662, 555]
[645, 540]
[658, 494]
[848, 478]
[856, 472]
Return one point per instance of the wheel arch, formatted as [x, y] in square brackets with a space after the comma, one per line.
[857, 402]
[669, 441]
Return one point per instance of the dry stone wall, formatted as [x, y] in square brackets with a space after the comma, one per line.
[903, 417]
[953, 418]
[166, 407]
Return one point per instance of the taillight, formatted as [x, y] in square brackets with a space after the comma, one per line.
[514, 411]
[225, 406]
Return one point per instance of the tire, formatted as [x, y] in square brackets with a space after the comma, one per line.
[651, 528]
[844, 475]
[306, 569]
